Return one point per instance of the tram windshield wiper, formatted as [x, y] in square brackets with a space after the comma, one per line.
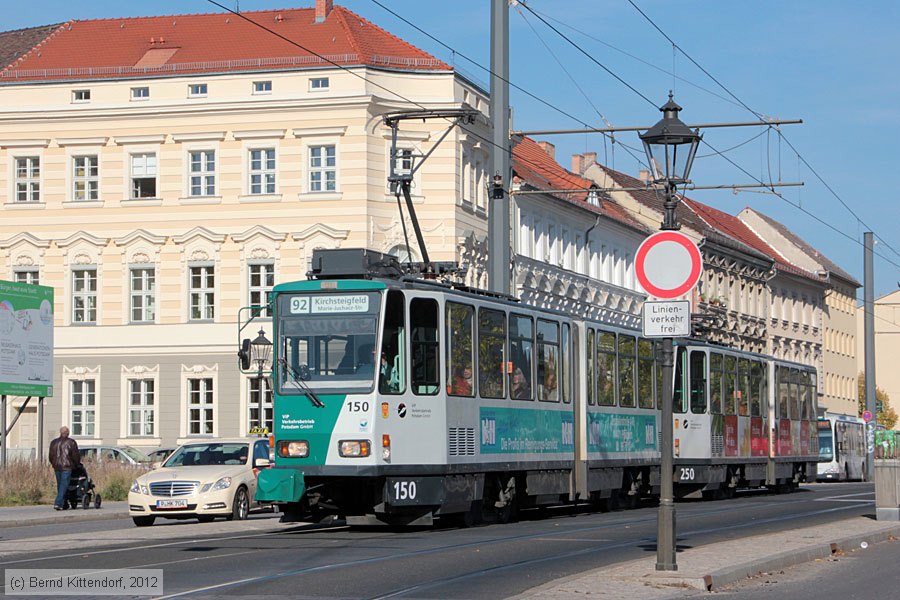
[298, 378]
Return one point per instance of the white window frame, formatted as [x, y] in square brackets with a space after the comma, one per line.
[194, 90]
[203, 296]
[144, 391]
[90, 183]
[138, 93]
[262, 87]
[204, 175]
[318, 153]
[146, 295]
[81, 96]
[31, 179]
[89, 307]
[257, 294]
[87, 407]
[253, 392]
[264, 171]
[316, 84]
[29, 275]
[202, 399]
[146, 168]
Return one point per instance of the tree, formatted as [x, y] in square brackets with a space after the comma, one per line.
[885, 415]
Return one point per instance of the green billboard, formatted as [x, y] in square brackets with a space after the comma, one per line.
[26, 339]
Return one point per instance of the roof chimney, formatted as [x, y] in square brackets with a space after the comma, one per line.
[548, 148]
[323, 9]
[590, 158]
[578, 163]
[644, 175]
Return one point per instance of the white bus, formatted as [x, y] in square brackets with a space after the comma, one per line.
[842, 448]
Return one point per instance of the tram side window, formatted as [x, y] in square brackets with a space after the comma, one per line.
[679, 403]
[698, 382]
[491, 353]
[729, 385]
[460, 363]
[564, 355]
[424, 346]
[521, 349]
[764, 389]
[744, 387]
[783, 396]
[392, 372]
[606, 368]
[756, 388]
[807, 395]
[794, 391]
[626, 370]
[548, 360]
[646, 398]
[591, 382]
[715, 383]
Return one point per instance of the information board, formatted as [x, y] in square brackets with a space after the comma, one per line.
[26, 339]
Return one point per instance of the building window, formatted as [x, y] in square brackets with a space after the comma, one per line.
[322, 169]
[262, 279]
[262, 171]
[81, 96]
[141, 407]
[203, 172]
[29, 276]
[262, 87]
[143, 295]
[83, 399]
[143, 175]
[260, 398]
[85, 178]
[28, 179]
[202, 293]
[84, 296]
[318, 84]
[200, 406]
[140, 93]
[197, 90]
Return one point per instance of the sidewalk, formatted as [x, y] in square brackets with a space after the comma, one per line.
[710, 567]
[17, 516]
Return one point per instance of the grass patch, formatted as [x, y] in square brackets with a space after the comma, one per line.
[30, 482]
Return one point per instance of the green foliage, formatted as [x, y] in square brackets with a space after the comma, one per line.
[885, 414]
[116, 489]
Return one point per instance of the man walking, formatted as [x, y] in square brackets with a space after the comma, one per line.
[63, 456]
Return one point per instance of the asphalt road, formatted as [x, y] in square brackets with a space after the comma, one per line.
[491, 561]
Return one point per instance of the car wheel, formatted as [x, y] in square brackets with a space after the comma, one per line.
[240, 507]
[143, 521]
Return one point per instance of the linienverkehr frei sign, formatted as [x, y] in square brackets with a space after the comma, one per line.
[26, 339]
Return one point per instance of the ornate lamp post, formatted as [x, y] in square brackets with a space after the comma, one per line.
[261, 349]
[670, 146]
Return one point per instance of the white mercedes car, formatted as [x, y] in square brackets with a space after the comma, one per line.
[202, 480]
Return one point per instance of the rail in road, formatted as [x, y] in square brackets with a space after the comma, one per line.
[491, 561]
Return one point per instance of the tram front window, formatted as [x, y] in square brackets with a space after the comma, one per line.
[328, 341]
[826, 443]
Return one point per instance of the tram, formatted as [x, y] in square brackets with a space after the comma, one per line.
[842, 448]
[398, 399]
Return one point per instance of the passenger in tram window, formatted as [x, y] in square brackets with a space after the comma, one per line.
[462, 382]
[520, 388]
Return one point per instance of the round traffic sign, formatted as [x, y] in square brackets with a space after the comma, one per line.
[668, 264]
[867, 416]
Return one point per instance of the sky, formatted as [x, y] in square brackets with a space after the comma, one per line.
[830, 63]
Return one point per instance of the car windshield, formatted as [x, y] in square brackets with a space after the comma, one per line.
[212, 453]
[134, 454]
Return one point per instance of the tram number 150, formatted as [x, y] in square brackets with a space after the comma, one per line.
[685, 474]
[413, 491]
[404, 490]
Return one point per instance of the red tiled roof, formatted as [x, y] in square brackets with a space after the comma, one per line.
[533, 166]
[216, 42]
[13, 44]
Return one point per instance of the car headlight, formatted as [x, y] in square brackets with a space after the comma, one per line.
[293, 448]
[355, 448]
[222, 484]
[135, 487]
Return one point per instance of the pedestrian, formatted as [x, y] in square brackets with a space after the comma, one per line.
[63, 456]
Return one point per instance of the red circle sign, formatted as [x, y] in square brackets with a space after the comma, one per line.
[867, 416]
[668, 264]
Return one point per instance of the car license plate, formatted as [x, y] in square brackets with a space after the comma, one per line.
[171, 503]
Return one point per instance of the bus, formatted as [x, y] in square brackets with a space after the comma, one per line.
[842, 448]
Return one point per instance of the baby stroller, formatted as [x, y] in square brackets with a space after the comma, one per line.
[81, 489]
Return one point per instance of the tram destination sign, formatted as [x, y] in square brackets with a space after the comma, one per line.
[671, 318]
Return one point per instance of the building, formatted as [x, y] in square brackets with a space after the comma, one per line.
[887, 345]
[168, 177]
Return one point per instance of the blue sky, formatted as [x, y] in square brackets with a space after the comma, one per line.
[830, 63]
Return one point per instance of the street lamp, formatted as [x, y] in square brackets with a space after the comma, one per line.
[259, 351]
[670, 146]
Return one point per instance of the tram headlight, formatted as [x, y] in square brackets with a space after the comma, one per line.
[355, 448]
[293, 448]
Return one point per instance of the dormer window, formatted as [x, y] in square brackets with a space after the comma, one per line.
[262, 87]
[197, 90]
[140, 93]
[81, 96]
[318, 84]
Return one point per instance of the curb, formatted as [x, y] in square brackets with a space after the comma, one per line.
[74, 515]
